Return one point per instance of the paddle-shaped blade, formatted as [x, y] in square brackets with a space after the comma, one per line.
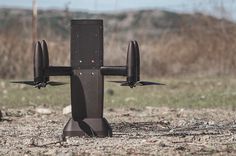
[39, 85]
[45, 59]
[146, 83]
[50, 83]
[125, 84]
[32, 83]
[139, 83]
[38, 63]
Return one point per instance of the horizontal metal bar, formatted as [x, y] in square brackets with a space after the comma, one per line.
[114, 70]
[59, 71]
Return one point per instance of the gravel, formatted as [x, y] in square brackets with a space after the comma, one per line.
[151, 131]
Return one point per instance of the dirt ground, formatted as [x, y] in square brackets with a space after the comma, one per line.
[151, 131]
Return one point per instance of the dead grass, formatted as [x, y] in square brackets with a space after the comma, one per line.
[202, 45]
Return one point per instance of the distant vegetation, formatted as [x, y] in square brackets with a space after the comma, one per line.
[171, 43]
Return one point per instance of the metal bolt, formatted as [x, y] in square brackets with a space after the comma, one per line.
[80, 61]
[80, 73]
[92, 61]
[92, 73]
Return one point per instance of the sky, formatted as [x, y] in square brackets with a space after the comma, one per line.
[207, 6]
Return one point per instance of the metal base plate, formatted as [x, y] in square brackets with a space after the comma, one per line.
[92, 127]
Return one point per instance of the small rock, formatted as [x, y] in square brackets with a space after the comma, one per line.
[180, 148]
[152, 140]
[130, 99]
[135, 109]
[58, 144]
[162, 144]
[164, 123]
[66, 110]
[30, 142]
[3, 84]
[150, 108]
[4, 91]
[50, 152]
[43, 111]
[211, 123]
[203, 97]
[126, 114]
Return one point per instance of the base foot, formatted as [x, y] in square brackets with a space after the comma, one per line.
[93, 127]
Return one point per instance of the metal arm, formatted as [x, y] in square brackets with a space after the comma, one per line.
[58, 71]
[114, 70]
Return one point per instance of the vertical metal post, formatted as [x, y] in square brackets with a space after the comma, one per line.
[34, 21]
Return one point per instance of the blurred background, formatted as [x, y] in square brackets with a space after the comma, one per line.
[189, 45]
[177, 37]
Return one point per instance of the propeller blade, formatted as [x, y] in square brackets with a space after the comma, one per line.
[145, 83]
[53, 83]
[45, 59]
[32, 83]
[125, 84]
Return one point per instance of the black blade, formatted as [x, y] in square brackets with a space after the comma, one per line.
[125, 84]
[145, 83]
[53, 83]
[32, 83]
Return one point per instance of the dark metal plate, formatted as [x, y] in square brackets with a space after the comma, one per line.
[86, 44]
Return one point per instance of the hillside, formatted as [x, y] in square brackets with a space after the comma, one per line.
[171, 43]
[152, 22]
